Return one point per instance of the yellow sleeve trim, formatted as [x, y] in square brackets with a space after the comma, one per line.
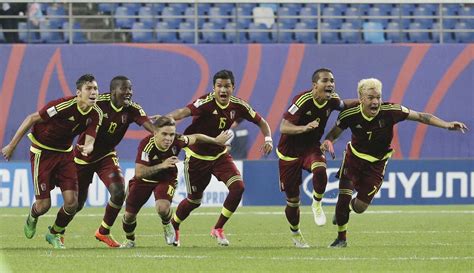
[190, 153]
[39, 144]
[369, 157]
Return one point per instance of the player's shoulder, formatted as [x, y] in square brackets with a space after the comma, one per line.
[303, 97]
[203, 100]
[390, 106]
[350, 112]
[148, 143]
[64, 102]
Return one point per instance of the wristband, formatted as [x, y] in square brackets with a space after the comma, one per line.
[268, 139]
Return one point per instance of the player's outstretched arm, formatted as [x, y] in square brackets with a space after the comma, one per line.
[142, 171]
[289, 128]
[331, 137]
[148, 126]
[221, 139]
[433, 120]
[267, 132]
[25, 126]
[181, 113]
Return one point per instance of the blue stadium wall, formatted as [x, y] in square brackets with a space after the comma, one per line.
[424, 77]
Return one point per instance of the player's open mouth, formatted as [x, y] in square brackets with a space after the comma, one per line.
[374, 109]
[223, 96]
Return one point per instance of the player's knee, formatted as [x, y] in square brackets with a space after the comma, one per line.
[129, 217]
[80, 206]
[194, 199]
[358, 206]
[42, 206]
[117, 193]
[319, 172]
[237, 187]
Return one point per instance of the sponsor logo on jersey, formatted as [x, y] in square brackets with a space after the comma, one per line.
[232, 114]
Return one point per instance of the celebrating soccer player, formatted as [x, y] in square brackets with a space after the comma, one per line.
[156, 172]
[119, 112]
[301, 129]
[212, 114]
[54, 128]
[371, 123]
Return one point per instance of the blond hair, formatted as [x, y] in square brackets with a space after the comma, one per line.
[366, 84]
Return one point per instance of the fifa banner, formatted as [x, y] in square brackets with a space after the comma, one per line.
[406, 182]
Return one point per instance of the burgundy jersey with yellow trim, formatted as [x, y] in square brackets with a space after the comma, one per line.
[372, 136]
[62, 120]
[303, 110]
[114, 126]
[149, 155]
[211, 119]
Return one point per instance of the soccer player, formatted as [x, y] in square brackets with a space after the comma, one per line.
[371, 123]
[54, 128]
[212, 114]
[119, 112]
[156, 172]
[301, 130]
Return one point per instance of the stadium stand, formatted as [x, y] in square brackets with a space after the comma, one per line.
[300, 22]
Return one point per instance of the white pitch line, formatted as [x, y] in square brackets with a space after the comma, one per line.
[267, 213]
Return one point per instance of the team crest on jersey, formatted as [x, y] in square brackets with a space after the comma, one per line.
[232, 114]
[43, 187]
[381, 123]
[124, 118]
[174, 150]
[88, 121]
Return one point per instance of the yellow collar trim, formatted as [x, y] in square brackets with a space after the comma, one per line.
[115, 107]
[366, 117]
[83, 112]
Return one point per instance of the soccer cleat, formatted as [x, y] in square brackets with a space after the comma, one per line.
[168, 231]
[338, 244]
[298, 239]
[54, 239]
[318, 213]
[30, 227]
[128, 244]
[218, 233]
[176, 238]
[107, 239]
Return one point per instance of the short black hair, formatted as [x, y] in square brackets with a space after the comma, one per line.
[225, 75]
[116, 81]
[316, 73]
[163, 121]
[83, 80]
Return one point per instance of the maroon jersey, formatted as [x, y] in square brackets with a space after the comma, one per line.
[210, 118]
[62, 120]
[149, 155]
[304, 110]
[372, 136]
[114, 126]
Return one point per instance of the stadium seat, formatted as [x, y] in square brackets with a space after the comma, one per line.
[447, 36]
[287, 16]
[295, 6]
[263, 15]
[212, 33]
[27, 34]
[107, 8]
[423, 17]
[225, 7]
[164, 34]
[395, 34]
[121, 19]
[407, 9]
[146, 16]
[376, 12]
[363, 8]
[56, 15]
[249, 6]
[461, 36]
[141, 33]
[373, 32]
[431, 8]
[242, 15]
[467, 11]
[420, 36]
[257, 33]
[351, 34]
[356, 19]
[179, 8]
[157, 8]
[186, 32]
[328, 17]
[235, 33]
[305, 33]
[340, 8]
[189, 14]
[281, 34]
[329, 37]
[450, 10]
[77, 36]
[309, 16]
[384, 8]
[50, 34]
[132, 7]
[172, 16]
[218, 16]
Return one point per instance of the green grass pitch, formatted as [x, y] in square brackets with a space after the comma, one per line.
[385, 238]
